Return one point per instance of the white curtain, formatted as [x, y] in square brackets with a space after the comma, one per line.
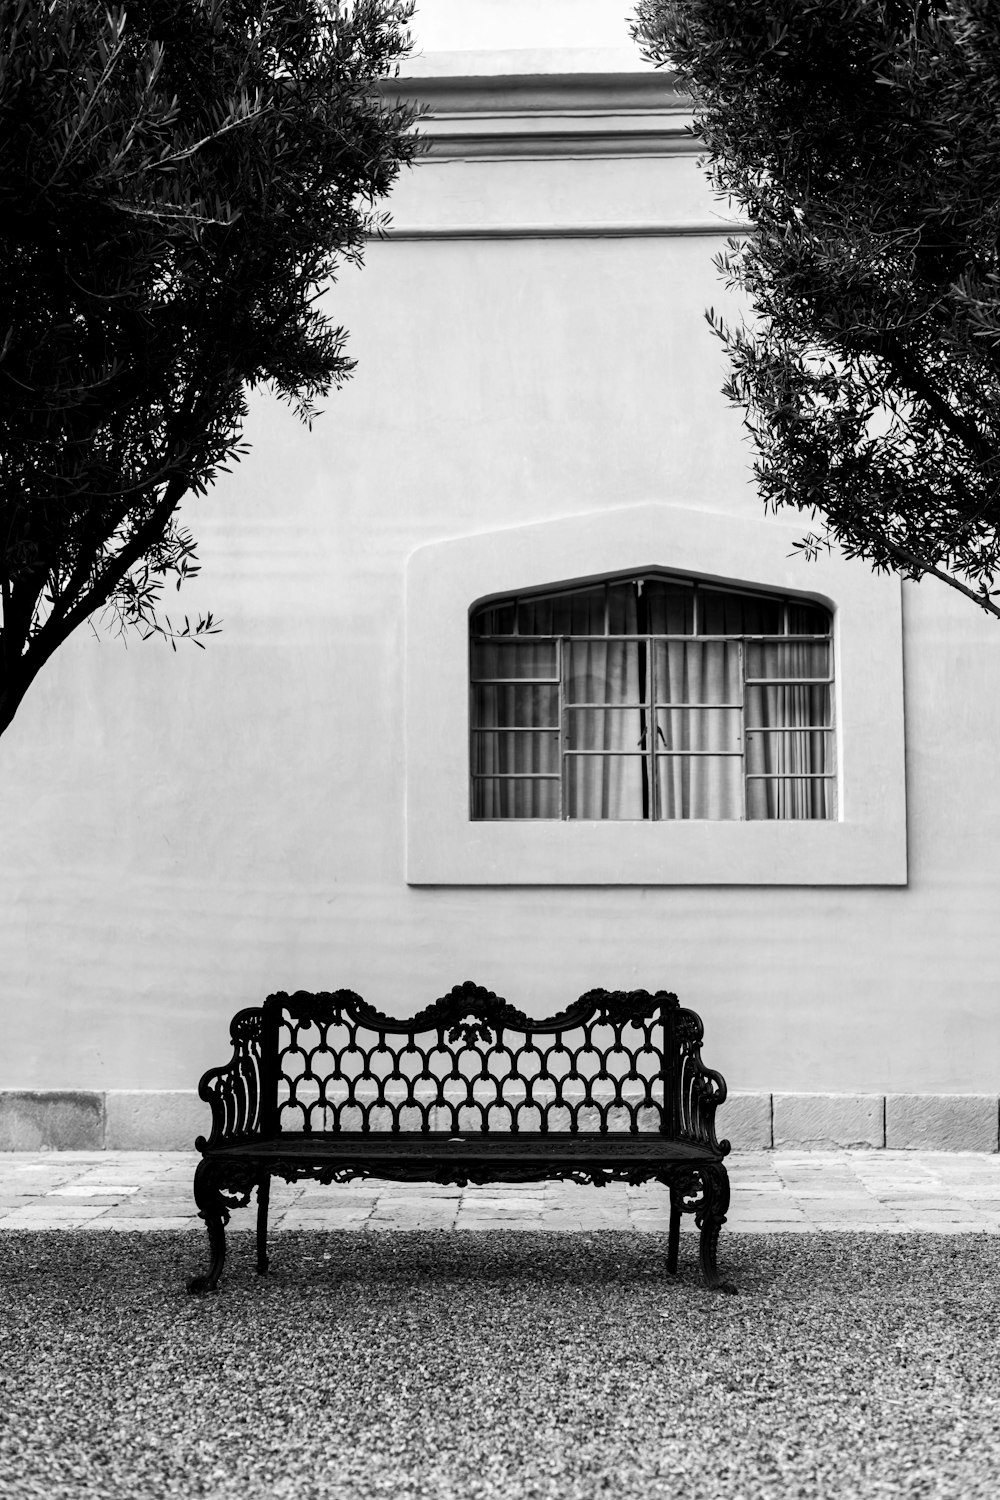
[607, 771]
[516, 747]
[785, 741]
[704, 677]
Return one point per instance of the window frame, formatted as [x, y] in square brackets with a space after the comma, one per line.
[446, 579]
[649, 703]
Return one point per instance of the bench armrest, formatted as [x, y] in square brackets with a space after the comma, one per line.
[702, 1089]
[234, 1090]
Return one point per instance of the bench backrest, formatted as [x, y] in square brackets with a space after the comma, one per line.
[329, 1062]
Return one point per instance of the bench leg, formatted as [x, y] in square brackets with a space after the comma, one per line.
[212, 1208]
[263, 1197]
[674, 1237]
[710, 1217]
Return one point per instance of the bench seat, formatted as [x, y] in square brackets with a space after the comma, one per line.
[437, 1149]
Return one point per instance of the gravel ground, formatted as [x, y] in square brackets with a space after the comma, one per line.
[508, 1364]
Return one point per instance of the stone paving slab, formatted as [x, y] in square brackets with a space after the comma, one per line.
[875, 1191]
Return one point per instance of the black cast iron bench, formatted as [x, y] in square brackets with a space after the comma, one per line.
[469, 1090]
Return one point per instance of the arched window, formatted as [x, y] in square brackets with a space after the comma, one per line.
[652, 697]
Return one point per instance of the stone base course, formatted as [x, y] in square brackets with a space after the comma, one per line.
[171, 1119]
[51, 1121]
[941, 1122]
[823, 1122]
[745, 1121]
[154, 1119]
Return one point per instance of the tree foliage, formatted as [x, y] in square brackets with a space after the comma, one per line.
[179, 181]
[862, 138]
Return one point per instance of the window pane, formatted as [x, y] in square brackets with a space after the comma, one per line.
[605, 728]
[524, 706]
[738, 614]
[795, 751]
[669, 606]
[603, 672]
[697, 671]
[578, 613]
[495, 619]
[622, 611]
[514, 659]
[699, 786]
[698, 729]
[787, 705]
[493, 797]
[788, 659]
[510, 751]
[607, 786]
[808, 619]
[791, 797]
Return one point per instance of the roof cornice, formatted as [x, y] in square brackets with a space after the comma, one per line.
[550, 115]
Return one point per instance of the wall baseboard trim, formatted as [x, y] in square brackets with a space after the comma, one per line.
[170, 1119]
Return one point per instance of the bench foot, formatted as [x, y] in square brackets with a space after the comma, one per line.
[709, 1269]
[217, 1251]
[198, 1284]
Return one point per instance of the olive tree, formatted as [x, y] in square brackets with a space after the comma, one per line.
[862, 140]
[179, 182]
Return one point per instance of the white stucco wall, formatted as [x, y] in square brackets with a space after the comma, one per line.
[184, 833]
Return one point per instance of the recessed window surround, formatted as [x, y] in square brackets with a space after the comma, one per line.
[450, 582]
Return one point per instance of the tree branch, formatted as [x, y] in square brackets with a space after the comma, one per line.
[177, 156]
[138, 545]
[57, 628]
[910, 373]
[915, 561]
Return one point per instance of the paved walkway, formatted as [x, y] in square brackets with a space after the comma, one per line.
[773, 1191]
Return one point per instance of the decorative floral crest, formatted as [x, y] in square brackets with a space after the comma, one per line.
[470, 1032]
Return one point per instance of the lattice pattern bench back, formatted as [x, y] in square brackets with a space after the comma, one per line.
[471, 1062]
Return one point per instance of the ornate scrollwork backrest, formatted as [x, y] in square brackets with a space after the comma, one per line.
[613, 1061]
[469, 1062]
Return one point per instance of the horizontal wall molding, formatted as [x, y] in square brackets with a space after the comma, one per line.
[170, 1119]
[550, 116]
[554, 144]
[594, 231]
[476, 126]
[481, 96]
